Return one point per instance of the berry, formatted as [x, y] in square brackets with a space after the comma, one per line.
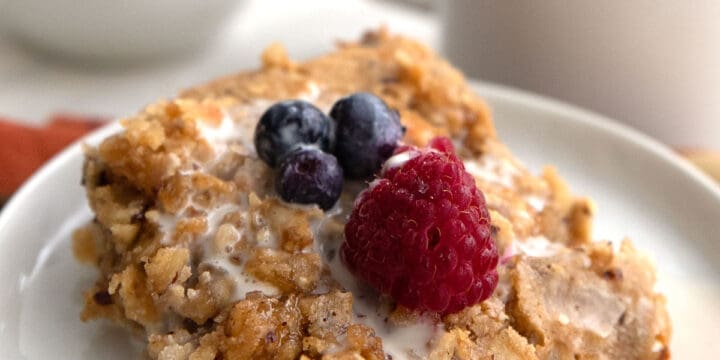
[289, 124]
[421, 233]
[367, 133]
[310, 176]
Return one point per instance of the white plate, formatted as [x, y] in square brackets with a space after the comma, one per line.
[642, 190]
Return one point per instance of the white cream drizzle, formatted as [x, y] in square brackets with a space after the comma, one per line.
[537, 246]
[227, 132]
[399, 159]
[536, 202]
[401, 342]
[312, 93]
[493, 170]
[533, 246]
[218, 258]
[232, 135]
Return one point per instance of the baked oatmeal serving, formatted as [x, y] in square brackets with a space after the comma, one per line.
[354, 206]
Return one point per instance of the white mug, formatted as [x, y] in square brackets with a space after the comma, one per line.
[652, 64]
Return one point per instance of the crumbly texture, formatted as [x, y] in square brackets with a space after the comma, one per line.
[184, 208]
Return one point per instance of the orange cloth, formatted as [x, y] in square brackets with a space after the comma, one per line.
[23, 149]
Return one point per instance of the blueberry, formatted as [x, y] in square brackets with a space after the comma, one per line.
[289, 124]
[310, 176]
[367, 133]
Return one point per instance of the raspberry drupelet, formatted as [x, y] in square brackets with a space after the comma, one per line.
[421, 232]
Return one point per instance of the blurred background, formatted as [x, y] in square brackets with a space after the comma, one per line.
[67, 66]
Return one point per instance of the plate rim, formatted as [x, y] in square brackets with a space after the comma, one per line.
[602, 123]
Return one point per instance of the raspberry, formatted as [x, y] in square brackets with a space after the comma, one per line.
[421, 233]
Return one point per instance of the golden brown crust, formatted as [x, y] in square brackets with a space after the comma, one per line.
[183, 211]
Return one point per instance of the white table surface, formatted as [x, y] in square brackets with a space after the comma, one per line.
[33, 87]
